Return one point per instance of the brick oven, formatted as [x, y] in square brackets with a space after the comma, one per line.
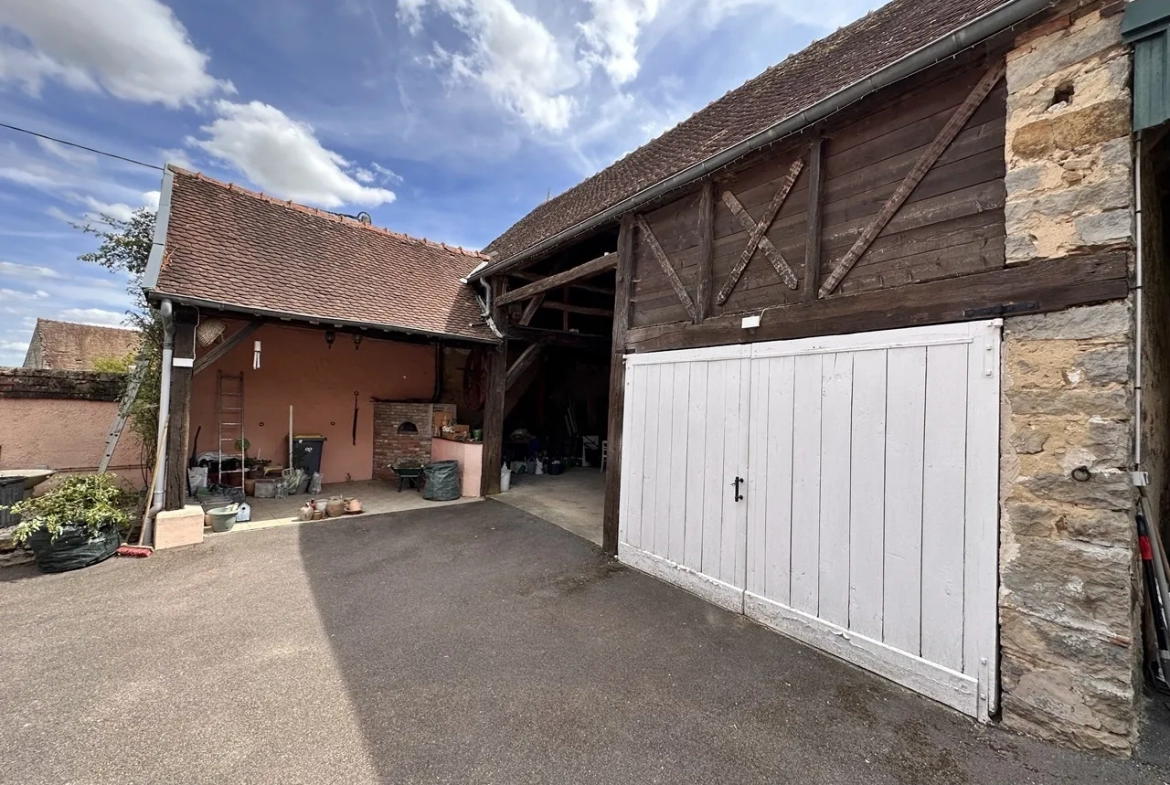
[403, 430]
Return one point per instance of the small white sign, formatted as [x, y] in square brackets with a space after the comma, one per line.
[183, 362]
[750, 322]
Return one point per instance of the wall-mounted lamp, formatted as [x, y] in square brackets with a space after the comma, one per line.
[330, 337]
[357, 341]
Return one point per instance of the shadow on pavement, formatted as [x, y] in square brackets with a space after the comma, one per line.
[480, 644]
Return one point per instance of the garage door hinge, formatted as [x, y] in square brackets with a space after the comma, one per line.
[1002, 309]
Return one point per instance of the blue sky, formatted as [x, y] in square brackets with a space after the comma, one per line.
[448, 119]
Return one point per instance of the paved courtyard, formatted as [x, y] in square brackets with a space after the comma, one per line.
[464, 644]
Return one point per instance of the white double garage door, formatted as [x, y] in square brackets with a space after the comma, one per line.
[840, 490]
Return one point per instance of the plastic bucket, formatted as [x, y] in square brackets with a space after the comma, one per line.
[223, 518]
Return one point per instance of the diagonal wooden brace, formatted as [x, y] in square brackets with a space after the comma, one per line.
[664, 263]
[757, 238]
[928, 159]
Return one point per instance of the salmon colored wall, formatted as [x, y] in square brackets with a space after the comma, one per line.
[63, 434]
[298, 368]
[470, 457]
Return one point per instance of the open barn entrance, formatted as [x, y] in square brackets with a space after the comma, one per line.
[558, 321]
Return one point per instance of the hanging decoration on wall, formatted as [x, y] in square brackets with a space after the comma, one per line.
[330, 337]
[357, 341]
[256, 356]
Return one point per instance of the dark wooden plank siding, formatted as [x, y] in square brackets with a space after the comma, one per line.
[951, 225]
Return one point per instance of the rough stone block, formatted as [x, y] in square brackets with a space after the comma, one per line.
[175, 528]
[1104, 489]
[1088, 37]
[1110, 365]
[1112, 194]
[1070, 130]
[1019, 248]
[1115, 226]
[1111, 528]
[1109, 320]
[1059, 704]
[1075, 584]
[1109, 403]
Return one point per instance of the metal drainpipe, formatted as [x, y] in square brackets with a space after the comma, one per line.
[1138, 305]
[166, 310]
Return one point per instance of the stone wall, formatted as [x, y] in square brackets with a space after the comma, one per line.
[1069, 166]
[33, 383]
[1069, 627]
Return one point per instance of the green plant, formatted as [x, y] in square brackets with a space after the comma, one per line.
[410, 463]
[256, 463]
[114, 364]
[94, 501]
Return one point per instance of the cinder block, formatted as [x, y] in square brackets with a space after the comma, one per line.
[174, 528]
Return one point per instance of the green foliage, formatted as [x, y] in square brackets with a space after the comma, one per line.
[114, 364]
[125, 247]
[125, 244]
[95, 501]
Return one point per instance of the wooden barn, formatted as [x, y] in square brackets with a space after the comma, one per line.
[886, 370]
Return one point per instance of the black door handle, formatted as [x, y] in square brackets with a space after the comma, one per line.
[738, 495]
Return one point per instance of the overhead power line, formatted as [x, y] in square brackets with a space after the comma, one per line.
[80, 146]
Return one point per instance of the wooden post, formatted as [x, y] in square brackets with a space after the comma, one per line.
[812, 243]
[617, 387]
[493, 410]
[706, 250]
[179, 427]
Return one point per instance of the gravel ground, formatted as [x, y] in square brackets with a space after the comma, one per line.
[469, 644]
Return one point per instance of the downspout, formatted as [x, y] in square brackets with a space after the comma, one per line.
[165, 310]
[1138, 308]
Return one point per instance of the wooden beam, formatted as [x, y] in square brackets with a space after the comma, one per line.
[812, 243]
[617, 389]
[493, 410]
[530, 309]
[667, 268]
[1037, 287]
[928, 159]
[579, 309]
[556, 337]
[527, 358]
[557, 280]
[585, 287]
[178, 416]
[226, 346]
[706, 250]
[758, 230]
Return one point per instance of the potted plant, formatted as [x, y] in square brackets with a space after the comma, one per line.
[76, 524]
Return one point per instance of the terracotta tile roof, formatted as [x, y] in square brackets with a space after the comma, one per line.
[249, 251]
[784, 90]
[68, 346]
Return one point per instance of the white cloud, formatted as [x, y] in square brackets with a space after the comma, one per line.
[96, 316]
[150, 200]
[284, 157]
[135, 50]
[611, 35]
[10, 270]
[12, 295]
[99, 211]
[521, 64]
[65, 153]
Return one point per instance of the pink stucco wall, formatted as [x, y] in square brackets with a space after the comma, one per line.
[470, 457]
[66, 435]
[297, 367]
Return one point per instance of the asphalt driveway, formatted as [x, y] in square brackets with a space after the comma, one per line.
[468, 644]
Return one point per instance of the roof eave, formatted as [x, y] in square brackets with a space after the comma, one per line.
[153, 295]
[162, 220]
[977, 30]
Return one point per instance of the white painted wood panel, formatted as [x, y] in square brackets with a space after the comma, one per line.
[906, 419]
[806, 484]
[867, 482]
[943, 503]
[868, 526]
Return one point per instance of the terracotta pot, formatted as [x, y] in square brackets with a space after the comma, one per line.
[318, 515]
[334, 507]
[250, 487]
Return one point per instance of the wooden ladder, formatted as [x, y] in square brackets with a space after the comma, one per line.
[229, 416]
[124, 406]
